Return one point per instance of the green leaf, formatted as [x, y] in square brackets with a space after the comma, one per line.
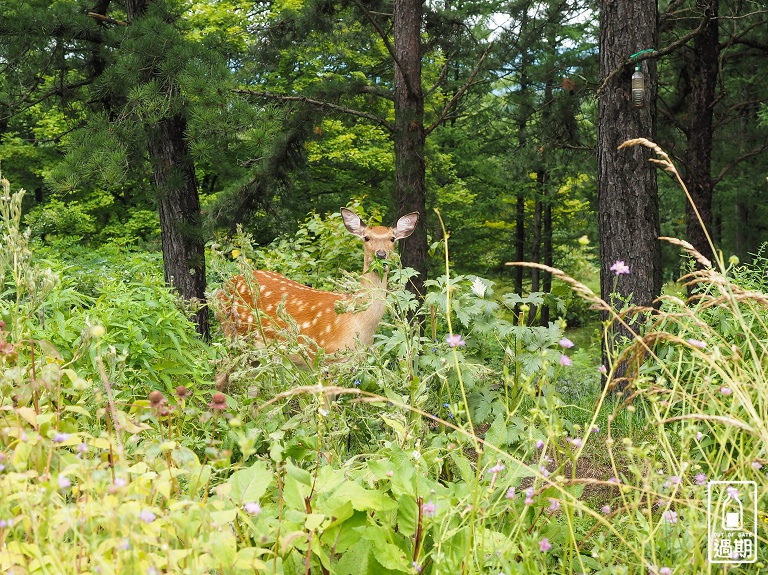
[407, 515]
[250, 484]
[299, 474]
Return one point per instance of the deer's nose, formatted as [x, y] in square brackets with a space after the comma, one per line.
[381, 254]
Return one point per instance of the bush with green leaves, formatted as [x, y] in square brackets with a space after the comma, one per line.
[422, 454]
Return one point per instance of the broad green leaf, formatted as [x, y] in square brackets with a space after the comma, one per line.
[299, 474]
[407, 515]
[357, 560]
[248, 559]
[223, 546]
[250, 484]
[361, 499]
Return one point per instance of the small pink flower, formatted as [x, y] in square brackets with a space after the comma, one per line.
[700, 479]
[697, 343]
[576, 442]
[757, 466]
[252, 508]
[602, 370]
[605, 509]
[544, 545]
[147, 516]
[510, 493]
[64, 482]
[554, 504]
[665, 571]
[565, 361]
[699, 435]
[428, 509]
[540, 444]
[498, 468]
[725, 390]
[566, 343]
[670, 516]
[732, 492]
[455, 340]
[619, 268]
[529, 496]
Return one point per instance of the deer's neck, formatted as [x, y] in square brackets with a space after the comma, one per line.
[374, 290]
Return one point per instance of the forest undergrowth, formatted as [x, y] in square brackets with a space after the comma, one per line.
[480, 444]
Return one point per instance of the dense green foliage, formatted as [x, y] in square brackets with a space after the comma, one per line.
[485, 446]
[473, 436]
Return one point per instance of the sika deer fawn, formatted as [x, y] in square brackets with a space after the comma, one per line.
[316, 312]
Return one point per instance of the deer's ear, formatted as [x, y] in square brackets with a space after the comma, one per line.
[352, 222]
[405, 225]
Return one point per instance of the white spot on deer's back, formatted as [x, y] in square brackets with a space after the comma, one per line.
[305, 325]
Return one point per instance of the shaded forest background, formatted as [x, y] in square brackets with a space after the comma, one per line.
[140, 121]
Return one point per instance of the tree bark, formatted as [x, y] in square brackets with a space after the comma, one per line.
[180, 220]
[519, 242]
[698, 163]
[178, 201]
[627, 190]
[410, 187]
[546, 278]
[536, 243]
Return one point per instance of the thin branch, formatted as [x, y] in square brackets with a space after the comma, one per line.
[319, 104]
[459, 93]
[387, 43]
[655, 54]
[730, 165]
[107, 19]
[443, 74]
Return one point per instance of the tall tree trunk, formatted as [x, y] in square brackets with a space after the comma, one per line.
[522, 142]
[180, 221]
[536, 243]
[178, 201]
[519, 242]
[546, 280]
[627, 190]
[410, 187]
[698, 178]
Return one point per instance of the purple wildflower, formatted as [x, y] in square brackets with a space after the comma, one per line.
[605, 509]
[64, 482]
[669, 516]
[565, 361]
[455, 340]
[619, 268]
[147, 516]
[428, 509]
[697, 343]
[544, 545]
[498, 468]
[700, 479]
[60, 437]
[554, 504]
[252, 508]
[566, 343]
[510, 493]
[725, 390]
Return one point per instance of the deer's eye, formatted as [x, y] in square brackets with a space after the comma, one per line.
[392, 239]
[367, 238]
